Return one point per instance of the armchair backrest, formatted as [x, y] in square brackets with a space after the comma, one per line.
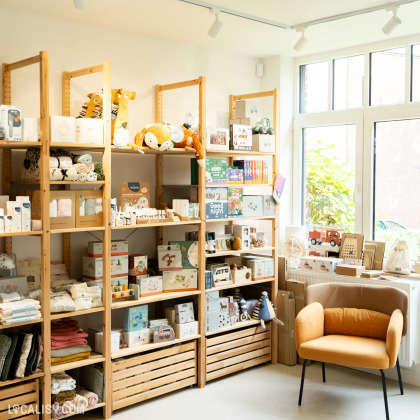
[383, 299]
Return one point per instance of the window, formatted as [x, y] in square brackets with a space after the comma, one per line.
[348, 82]
[415, 71]
[387, 77]
[397, 182]
[314, 87]
[329, 174]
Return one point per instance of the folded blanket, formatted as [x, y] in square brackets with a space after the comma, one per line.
[63, 341]
[17, 315]
[64, 327]
[18, 304]
[63, 174]
[63, 396]
[58, 410]
[62, 162]
[85, 159]
[19, 310]
[81, 403]
[61, 302]
[70, 351]
[26, 348]
[25, 319]
[92, 378]
[74, 358]
[10, 297]
[81, 168]
[62, 382]
[83, 303]
[5, 343]
[91, 397]
[32, 361]
[99, 171]
[82, 177]
[92, 177]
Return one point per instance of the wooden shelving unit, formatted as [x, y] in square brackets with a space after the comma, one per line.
[235, 285]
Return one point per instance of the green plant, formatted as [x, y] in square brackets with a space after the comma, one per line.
[329, 189]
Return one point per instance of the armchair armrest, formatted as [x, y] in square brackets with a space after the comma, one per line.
[309, 324]
[394, 336]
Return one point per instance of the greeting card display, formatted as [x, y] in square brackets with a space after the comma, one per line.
[169, 257]
[189, 253]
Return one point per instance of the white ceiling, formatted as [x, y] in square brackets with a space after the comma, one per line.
[178, 21]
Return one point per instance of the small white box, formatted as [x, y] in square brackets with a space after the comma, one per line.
[212, 321]
[137, 338]
[95, 249]
[30, 129]
[25, 209]
[186, 330]
[17, 216]
[248, 109]
[93, 267]
[309, 264]
[149, 286]
[62, 129]
[184, 313]
[212, 301]
[115, 341]
[328, 265]
[170, 315]
[8, 224]
[224, 305]
[13, 284]
[264, 143]
[257, 266]
[89, 130]
[269, 267]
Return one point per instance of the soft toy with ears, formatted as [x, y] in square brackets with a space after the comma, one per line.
[155, 136]
[119, 125]
[191, 142]
[92, 108]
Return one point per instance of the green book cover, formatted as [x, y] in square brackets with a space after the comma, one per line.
[235, 201]
[215, 171]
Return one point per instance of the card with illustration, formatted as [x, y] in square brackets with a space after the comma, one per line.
[189, 253]
[169, 257]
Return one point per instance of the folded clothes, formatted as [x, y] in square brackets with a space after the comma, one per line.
[91, 397]
[82, 177]
[99, 171]
[17, 315]
[61, 162]
[61, 327]
[62, 342]
[26, 348]
[81, 403]
[9, 356]
[5, 343]
[63, 174]
[85, 159]
[61, 302]
[18, 310]
[63, 396]
[32, 361]
[62, 382]
[19, 304]
[60, 410]
[81, 168]
[10, 297]
[83, 303]
[92, 177]
[70, 351]
[69, 359]
[25, 319]
[16, 357]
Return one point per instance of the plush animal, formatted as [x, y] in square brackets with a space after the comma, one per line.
[191, 142]
[119, 125]
[92, 108]
[158, 137]
[264, 310]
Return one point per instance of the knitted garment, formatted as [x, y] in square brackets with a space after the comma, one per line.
[63, 341]
[62, 327]
[63, 396]
[58, 410]
[74, 358]
[81, 403]
[26, 348]
[99, 171]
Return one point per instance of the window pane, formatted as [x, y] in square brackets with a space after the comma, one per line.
[415, 89]
[329, 165]
[348, 82]
[387, 77]
[314, 87]
[397, 183]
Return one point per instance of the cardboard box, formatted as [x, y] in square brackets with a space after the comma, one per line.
[137, 265]
[350, 270]
[212, 301]
[89, 210]
[257, 266]
[135, 194]
[286, 333]
[89, 130]
[99, 339]
[298, 288]
[62, 209]
[328, 265]
[216, 203]
[253, 206]
[283, 265]
[241, 276]
[170, 315]
[240, 137]
[212, 321]
[137, 338]
[215, 171]
[264, 143]
[95, 249]
[169, 257]
[93, 267]
[186, 330]
[150, 286]
[136, 318]
[13, 284]
[309, 264]
[248, 108]
[62, 129]
[184, 313]
[179, 281]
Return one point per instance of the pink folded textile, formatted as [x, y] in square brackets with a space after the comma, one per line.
[64, 341]
[90, 396]
[81, 168]
[60, 410]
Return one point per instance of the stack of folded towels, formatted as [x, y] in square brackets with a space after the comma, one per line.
[68, 343]
[20, 355]
[14, 308]
[67, 398]
[78, 168]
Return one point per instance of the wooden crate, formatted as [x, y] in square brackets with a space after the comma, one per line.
[22, 399]
[135, 379]
[235, 351]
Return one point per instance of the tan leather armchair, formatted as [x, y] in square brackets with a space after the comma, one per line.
[353, 325]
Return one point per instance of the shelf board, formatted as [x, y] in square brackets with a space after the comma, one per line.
[235, 285]
[146, 225]
[31, 233]
[210, 152]
[238, 185]
[102, 404]
[5, 144]
[72, 230]
[38, 374]
[235, 219]
[237, 326]
[147, 151]
[77, 182]
[21, 324]
[179, 185]
[94, 358]
[146, 347]
[242, 251]
[61, 315]
[78, 146]
[155, 298]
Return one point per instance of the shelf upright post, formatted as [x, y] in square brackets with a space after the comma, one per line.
[159, 161]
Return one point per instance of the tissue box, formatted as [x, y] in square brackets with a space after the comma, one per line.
[150, 286]
[30, 129]
[62, 129]
[89, 130]
[13, 284]
[179, 281]
[95, 249]
[212, 321]
[115, 341]
[137, 338]
[184, 313]
[212, 301]
[264, 143]
[137, 265]
[136, 318]
[186, 330]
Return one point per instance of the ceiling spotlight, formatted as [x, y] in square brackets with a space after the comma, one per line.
[302, 40]
[393, 22]
[80, 4]
[217, 25]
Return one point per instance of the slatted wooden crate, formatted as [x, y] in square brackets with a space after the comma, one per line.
[20, 401]
[235, 351]
[140, 378]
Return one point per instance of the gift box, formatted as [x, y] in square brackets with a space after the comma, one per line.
[135, 194]
[136, 318]
[186, 330]
[212, 321]
[89, 130]
[257, 266]
[212, 301]
[93, 267]
[240, 137]
[62, 129]
[137, 338]
[95, 249]
[241, 276]
[137, 265]
[179, 281]
[62, 209]
[150, 286]
[99, 340]
[189, 253]
[163, 334]
[169, 257]
[184, 313]
[89, 212]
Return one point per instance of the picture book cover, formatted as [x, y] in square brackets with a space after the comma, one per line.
[189, 253]
[216, 203]
[235, 201]
[234, 175]
[136, 318]
[215, 171]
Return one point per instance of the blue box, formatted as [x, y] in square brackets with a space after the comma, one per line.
[136, 318]
[209, 279]
[216, 203]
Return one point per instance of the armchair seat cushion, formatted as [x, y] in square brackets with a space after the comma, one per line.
[347, 350]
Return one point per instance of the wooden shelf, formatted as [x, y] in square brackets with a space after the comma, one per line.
[235, 285]
[94, 358]
[77, 182]
[147, 151]
[242, 251]
[31, 233]
[21, 324]
[146, 347]
[235, 219]
[5, 144]
[146, 225]
[61, 315]
[73, 230]
[237, 326]
[238, 185]
[232, 153]
[84, 411]
[38, 374]
[155, 298]
[78, 146]
[179, 185]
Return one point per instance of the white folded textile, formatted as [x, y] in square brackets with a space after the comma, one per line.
[62, 382]
[63, 174]
[61, 162]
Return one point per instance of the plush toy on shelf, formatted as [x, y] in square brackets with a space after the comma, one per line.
[191, 142]
[93, 107]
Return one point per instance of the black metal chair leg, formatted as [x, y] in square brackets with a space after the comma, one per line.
[323, 372]
[399, 377]
[302, 381]
[385, 397]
